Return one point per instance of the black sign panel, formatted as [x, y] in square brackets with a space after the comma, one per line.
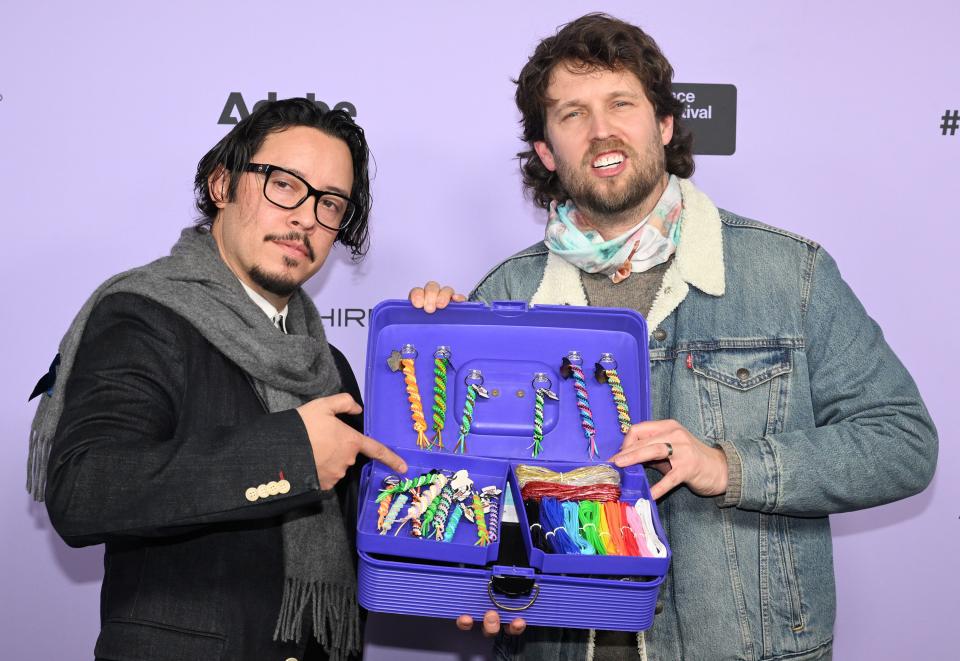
[710, 112]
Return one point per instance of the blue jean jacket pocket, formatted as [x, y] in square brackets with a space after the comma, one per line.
[742, 391]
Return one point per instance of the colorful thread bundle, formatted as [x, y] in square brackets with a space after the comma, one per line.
[600, 482]
[591, 528]
[580, 512]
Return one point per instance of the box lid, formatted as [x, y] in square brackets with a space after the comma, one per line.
[508, 343]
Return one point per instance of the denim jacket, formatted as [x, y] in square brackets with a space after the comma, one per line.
[759, 347]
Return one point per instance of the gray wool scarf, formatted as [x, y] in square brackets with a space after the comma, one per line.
[287, 370]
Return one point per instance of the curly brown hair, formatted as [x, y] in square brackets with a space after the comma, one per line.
[603, 42]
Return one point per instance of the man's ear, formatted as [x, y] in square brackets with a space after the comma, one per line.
[666, 129]
[546, 156]
[217, 183]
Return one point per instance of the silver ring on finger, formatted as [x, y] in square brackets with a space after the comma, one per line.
[669, 449]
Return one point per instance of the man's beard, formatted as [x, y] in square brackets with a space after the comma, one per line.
[644, 174]
[278, 284]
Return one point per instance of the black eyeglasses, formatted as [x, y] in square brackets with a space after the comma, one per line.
[288, 191]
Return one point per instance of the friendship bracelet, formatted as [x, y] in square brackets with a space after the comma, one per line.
[483, 536]
[408, 484]
[431, 511]
[403, 360]
[538, 423]
[606, 372]
[571, 367]
[473, 390]
[460, 486]
[398, 504]
[491, 505]
[541, 385]
[441, 358]
[416, 510]
[453, 522]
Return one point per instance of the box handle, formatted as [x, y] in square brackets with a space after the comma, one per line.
[508, 308]
[513, 586]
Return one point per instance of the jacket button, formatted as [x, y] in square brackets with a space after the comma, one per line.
[659, 335]
[273, 488]
[743, 374]
[252, 494]
[283, 486]
[291, 659]
[658, 608]
[263, 491]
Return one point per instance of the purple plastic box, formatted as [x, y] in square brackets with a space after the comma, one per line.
[508, 342]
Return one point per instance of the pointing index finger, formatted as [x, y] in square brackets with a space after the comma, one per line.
[380, 452]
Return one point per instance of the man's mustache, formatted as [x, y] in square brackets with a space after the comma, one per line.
[610, 144]
[293, 236]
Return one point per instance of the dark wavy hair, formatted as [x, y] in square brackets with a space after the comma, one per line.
[237, 148]
[595, 41]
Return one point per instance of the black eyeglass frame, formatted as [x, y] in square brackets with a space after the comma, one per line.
[265, 169]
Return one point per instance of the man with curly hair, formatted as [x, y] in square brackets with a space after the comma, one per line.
[776, 400]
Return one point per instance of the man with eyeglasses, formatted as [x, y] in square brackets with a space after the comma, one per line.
[199, 425]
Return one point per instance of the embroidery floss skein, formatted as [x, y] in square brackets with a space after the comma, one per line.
[589, 513]
[551, 516]
[571, 522]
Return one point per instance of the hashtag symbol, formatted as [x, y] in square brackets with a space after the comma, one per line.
[951, 122]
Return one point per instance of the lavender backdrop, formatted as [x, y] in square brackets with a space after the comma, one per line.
[106, 109]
